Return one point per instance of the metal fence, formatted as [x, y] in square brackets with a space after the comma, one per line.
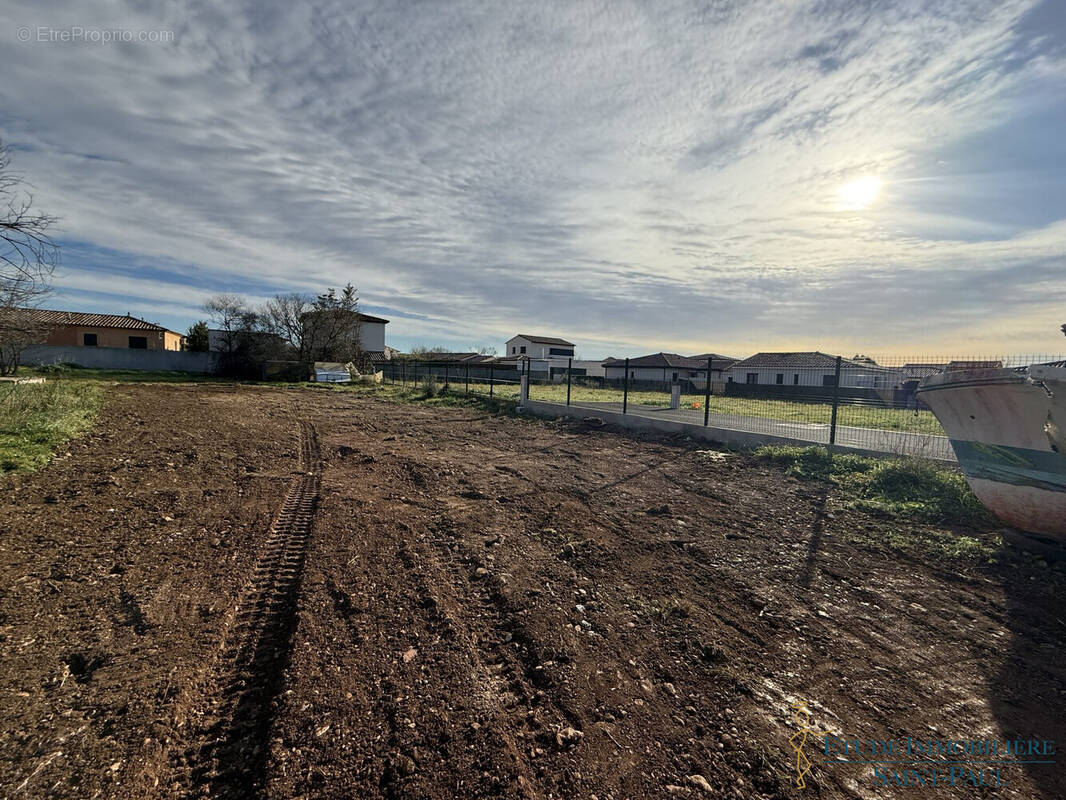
[869, 403]
[492, 380]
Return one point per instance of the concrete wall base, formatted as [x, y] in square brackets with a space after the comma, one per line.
[716, 435]
[120, 358]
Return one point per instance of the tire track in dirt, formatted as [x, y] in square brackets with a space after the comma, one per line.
[229, 757]
[447, 608]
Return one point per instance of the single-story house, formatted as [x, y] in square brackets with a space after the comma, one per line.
[456, 358]
[591, 369]
[81, 329]
[812, 369]
[916, 371]
[220, 341]
[555, 367]
[961, 366]
[669, 368]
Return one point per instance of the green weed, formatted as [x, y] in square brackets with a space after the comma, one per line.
[37, 417]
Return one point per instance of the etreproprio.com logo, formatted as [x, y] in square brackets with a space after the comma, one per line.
[77, 34]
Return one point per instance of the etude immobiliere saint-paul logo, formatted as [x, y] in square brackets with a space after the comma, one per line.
[914, 761]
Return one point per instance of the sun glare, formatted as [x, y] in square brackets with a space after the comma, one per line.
[859, 193]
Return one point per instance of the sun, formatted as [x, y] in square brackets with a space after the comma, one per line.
[859, 193]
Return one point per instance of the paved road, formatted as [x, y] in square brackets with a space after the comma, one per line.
[885, 441]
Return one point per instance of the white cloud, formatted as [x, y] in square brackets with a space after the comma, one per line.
[605, 172]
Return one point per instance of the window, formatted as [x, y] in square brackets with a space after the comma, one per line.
[675, 376]
[514, 350]
[560, 351]
[88, 339]
[753, 377]
[523, 349]
[138, 342]
[795, 379]
[693, 374]
[829, 380]
[780, 378]
[730, 379]
[632, 375]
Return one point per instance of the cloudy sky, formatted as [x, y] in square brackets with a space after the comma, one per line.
[885, 177]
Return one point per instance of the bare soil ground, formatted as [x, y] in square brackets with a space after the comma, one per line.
[241, 592]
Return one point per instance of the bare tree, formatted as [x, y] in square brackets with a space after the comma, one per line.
[244, 343]
[327, 327]
[28, 258]
[284, 317]
[425, 350]
[231, 315]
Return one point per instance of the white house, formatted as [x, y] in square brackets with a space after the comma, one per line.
[812, 369]
[371, 337]
[372, 334]
[539, 347]
[593, 369]
[542, 354]
[669, 368]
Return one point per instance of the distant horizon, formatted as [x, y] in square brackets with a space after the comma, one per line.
[879, 357]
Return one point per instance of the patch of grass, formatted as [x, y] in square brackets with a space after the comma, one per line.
[859, 416]
[662, 610]
[72, 372]
[924, 542]
[731, 678]
[920, 489]
[453, 397]
[674, 607]
[906, 488]
[431, 388]
[37, 417]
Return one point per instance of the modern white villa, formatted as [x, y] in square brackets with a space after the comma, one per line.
[548, 355]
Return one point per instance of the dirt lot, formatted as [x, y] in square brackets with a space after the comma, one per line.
[478, 606]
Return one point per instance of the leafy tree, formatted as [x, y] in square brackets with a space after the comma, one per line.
[198, 340]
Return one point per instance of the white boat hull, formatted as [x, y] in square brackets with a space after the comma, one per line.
[1008, 430]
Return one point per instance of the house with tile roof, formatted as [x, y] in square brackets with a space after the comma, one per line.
[80, 329]
[806, 369]
[669, 368]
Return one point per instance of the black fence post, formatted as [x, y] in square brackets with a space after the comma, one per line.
[492, 378]
[467, 379]
[403, 374]
[836, 404]
[707, 397]
[625, 388]
[445, 376]
[569, 366]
